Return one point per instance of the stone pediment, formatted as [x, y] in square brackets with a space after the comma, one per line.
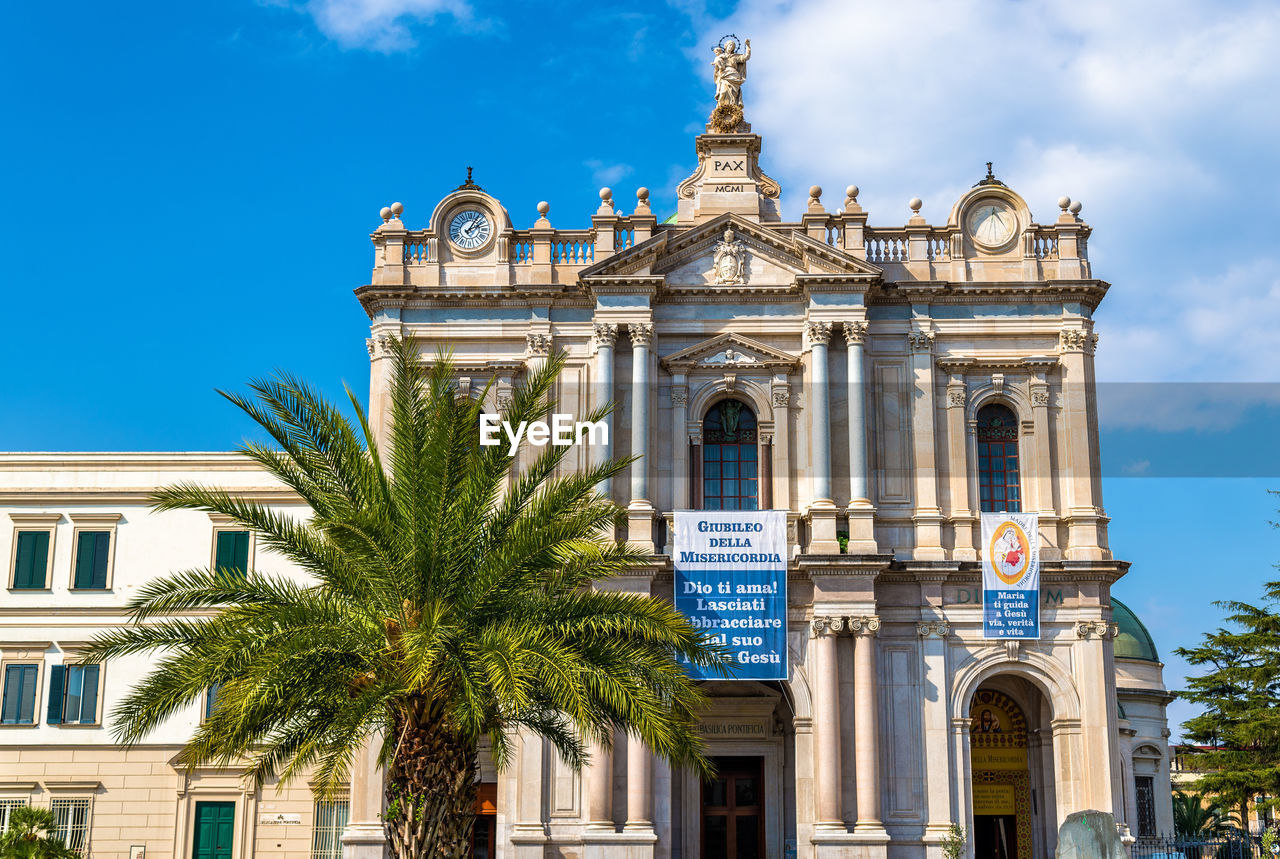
[731, 352]
[734, 255]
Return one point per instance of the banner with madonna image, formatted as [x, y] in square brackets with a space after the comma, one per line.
[1010, 575]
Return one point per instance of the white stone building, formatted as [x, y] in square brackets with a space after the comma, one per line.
[886, 384]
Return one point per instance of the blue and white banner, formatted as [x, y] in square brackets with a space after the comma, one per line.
[731, 581]
[1010, 575]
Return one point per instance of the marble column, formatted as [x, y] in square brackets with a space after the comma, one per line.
[826, 722]
[639, 786]
[605, 336]
[640, 509]
[855, 334]
[866, 720]
[862, 513]
[819, 412]
[937, 757]
[822, 510]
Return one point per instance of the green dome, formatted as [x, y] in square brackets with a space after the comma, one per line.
[1133, 641]
[672, 219]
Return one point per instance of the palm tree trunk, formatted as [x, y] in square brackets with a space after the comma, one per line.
[431, 794]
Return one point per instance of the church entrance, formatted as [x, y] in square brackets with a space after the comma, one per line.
[1002, 797]
[733, 810]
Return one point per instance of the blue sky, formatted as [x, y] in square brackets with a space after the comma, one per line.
[189, 188]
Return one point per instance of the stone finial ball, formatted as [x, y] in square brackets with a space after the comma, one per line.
[1063, 202]
[543, 208]
[1076, 207]
[606, 193]
[815, 191]
[851, 192]
[915, 204]
[642, 193]
[385, 212]
[397, 209]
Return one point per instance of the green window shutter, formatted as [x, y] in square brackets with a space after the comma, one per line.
[32, 560]
[92, 553]
[89, 696]
[12, 694]
[85, 545]
[57, 688]
[100, 557]
[232, 551]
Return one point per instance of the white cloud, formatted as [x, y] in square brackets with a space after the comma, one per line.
[1153, 114]
[382, 25]
[607, 174]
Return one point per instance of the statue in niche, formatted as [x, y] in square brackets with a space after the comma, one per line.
[730, 70]
[729, 263]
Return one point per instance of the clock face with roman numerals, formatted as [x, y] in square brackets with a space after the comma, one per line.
[470, 229]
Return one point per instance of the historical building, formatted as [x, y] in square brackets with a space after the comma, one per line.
[883, 385]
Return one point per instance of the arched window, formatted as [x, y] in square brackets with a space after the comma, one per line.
[998, 481]
[729, 457]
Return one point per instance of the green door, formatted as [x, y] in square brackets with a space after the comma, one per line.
[215, 825]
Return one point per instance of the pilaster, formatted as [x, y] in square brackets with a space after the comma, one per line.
[928, 515]
[640, 510]
[959, 465]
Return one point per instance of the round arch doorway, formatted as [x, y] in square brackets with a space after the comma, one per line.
[1002, 794]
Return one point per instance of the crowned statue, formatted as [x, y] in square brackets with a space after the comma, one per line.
[730, 69]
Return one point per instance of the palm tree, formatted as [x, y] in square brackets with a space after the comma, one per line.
[450, 602]
[1193, 817]
[30, 836]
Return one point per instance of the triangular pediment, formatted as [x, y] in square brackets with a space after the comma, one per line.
[731, 352]
[733, 254]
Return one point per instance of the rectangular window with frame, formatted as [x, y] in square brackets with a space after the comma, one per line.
[6, 810]
[231, 551]
[93, 559]
[31, 560]
[71, 822]
[211, 699]
[19, 703]
[331, 822]
[1145, 794]
[73, 694]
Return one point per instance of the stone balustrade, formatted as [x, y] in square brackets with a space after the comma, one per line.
[913, 252]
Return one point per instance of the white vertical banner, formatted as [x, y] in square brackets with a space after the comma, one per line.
[1010, 575]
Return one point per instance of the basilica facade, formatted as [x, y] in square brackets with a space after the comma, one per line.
[882, 385]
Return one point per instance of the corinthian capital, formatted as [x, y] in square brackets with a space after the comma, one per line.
[819, 332]
[855, 332]
[538, 344]
[606, 334]
[921, 341]
[1072, 340]
[641, 333]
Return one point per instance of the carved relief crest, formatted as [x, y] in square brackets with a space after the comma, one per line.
[730, 262]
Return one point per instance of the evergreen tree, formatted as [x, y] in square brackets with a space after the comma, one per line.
[1240, 696]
